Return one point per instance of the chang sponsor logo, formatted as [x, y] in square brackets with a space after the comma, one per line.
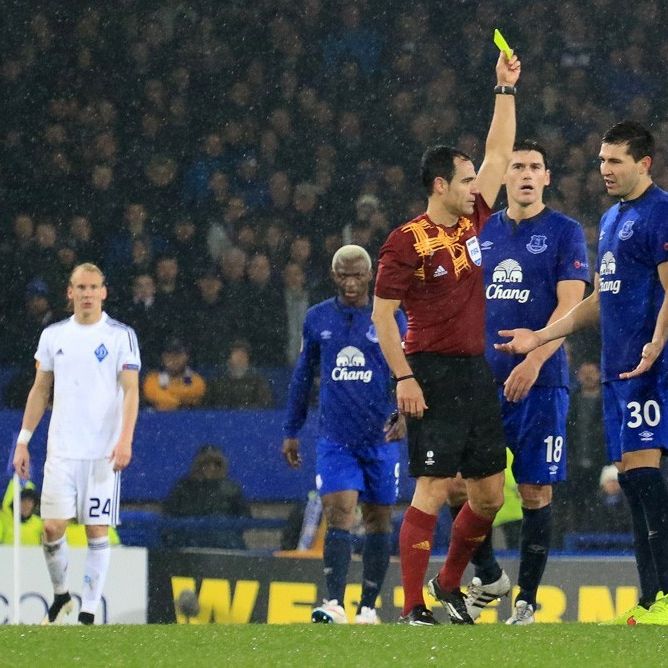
[608, 268]
[350, 365]
[508, 271]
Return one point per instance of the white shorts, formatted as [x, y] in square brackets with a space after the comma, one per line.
[86, 489]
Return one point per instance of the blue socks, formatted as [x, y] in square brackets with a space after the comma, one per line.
[337, 559]
[649, 583]
[650, 488]
[375, 560]
[534, 548]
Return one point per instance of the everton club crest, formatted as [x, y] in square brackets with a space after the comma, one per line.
[627, 230]
[537, 244]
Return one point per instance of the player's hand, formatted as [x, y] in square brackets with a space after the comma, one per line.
[507, 71]
[521, 380]
[522, 341]
[650, 352]
[410, 399]
[395, 427]
[121, 455]
[22, 461]
[291, 452]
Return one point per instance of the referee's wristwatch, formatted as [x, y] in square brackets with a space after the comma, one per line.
[505, 90]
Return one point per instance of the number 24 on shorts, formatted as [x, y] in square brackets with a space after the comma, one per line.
[96, 504]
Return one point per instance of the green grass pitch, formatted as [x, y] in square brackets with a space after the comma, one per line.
[487, 646]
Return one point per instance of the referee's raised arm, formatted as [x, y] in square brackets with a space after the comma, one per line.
[501, 135]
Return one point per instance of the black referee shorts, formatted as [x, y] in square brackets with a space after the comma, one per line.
[461, 431]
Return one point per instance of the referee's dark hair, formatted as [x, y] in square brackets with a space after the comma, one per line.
[638, 137]
[531, 145]
[439, 161]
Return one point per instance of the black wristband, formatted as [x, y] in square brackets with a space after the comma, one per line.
[505, 90]
[410, 375]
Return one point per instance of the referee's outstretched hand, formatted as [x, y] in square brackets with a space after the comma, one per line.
[650, 352]
[410, 399]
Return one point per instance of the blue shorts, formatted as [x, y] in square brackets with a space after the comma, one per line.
[372, 470]
[535, 430]
[635, 415]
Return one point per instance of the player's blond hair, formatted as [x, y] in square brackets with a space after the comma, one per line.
[87, 266]
[351, 252]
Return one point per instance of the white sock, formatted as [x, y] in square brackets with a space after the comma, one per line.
[95, 573]
[56, 555]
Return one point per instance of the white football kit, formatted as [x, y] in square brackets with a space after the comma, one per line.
[86, 361]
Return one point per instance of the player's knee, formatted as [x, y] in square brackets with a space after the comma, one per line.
[340, 516]
[377, 519]
[535, 496]
[487, 506]
[53, 530]
[455, 489]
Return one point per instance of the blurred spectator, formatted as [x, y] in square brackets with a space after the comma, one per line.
[609, 510]
[235, 289]
[20, 341]
[586, 451]
[176, 385]
[241, 386]
[82, 239]
[210, 325]
[187, 245]
[141, 314]
[32, 526]
[265, 314]
[172, 300]
[296, 298]
[206, 491]
[352, 41]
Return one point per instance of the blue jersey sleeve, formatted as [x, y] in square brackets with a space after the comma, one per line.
[302, 380]
[572, 261]
[402, 322]
[659, 238]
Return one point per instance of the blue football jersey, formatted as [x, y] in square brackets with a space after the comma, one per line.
[633, 240]
[355, 381]
[523, 264]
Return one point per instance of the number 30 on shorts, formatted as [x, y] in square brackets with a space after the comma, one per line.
[97, 508]
[648, 413]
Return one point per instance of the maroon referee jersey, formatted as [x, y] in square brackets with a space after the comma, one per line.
[437, 274]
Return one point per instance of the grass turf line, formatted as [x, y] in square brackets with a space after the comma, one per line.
[493, 646]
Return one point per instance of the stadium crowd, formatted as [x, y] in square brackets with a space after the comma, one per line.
[210, 157]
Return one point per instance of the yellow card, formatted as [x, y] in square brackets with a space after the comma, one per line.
[501, 44]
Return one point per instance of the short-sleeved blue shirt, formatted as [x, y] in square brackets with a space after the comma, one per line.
[633, 241]
[355, 382]
[523, 262]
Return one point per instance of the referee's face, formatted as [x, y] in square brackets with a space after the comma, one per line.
[459, 195]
